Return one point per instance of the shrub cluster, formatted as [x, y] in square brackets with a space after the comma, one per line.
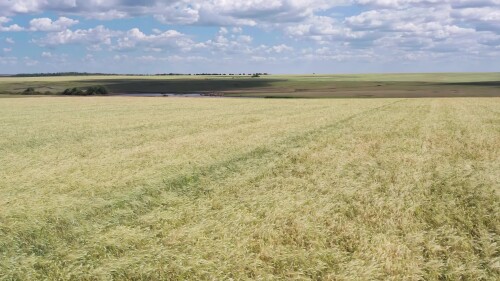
[91, 91]
[32, 91]
[96, 91]
[73, 92]
[29, 91]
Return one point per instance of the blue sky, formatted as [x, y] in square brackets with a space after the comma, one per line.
[276, 36]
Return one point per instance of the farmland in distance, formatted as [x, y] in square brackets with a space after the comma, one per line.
[277, 86]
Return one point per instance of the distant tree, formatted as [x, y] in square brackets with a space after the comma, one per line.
[73, 92]
[96, 91]
[90, 91]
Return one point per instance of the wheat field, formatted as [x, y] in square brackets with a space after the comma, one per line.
[128, 188]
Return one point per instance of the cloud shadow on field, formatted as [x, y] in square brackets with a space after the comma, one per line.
[184, 85]
[482, 83]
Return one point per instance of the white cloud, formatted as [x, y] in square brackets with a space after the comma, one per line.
[8, 61]
[431, 23]
[93, 36]
[30, 62]
[21, 6]
[168, 39]
[223, 12]
[403, 29]
[120, 57]
[280, 49]
[245, 39]
[254, 12]
[172, 59]
[9, 40]
[260, 59]
[47, 25]
[10, 28]
[321, 28]
[88, 58]
[107, 15]
[55, 59]
[183, 15]
[483, 18]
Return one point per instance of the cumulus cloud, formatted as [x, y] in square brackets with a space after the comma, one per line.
[10, 28]
[394, 29]
[323, 28]
[279, 49]
[432, 23]
[20, 6]
[177, 15]
[406, 29]
[93, 36]
[46, 24]
[168, 39]
[483, 18]
[245, 39]
[173, 58]
[223, 12]
[253, 12]
[398, 3]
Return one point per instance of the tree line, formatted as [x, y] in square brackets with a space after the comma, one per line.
[55, 74]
